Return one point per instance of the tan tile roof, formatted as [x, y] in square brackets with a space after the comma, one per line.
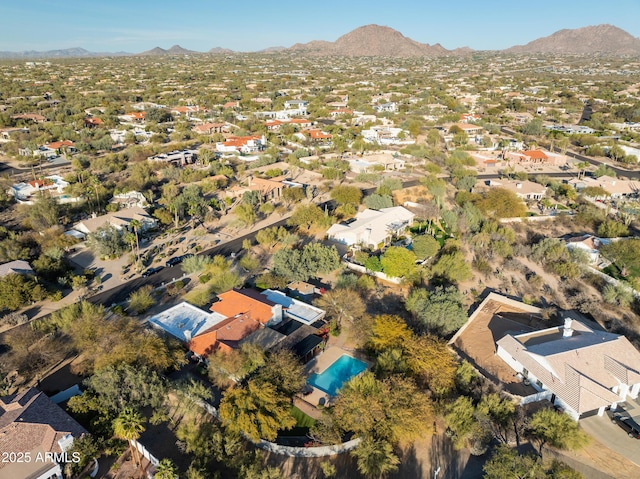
[30, 420]
[581, 369]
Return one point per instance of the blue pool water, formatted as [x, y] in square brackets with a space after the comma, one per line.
[331, 379]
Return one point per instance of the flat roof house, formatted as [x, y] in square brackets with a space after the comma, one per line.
[118, 219]
[372, 228]
[525, 189]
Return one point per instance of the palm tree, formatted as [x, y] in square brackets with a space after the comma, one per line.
[582, 167]
[135, 224]
[130, 238]
[95, 182]
[129, 425]
[165, 469]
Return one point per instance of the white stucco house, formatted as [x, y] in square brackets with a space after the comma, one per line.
[589, 244]
[579, 369]
[118, 219]
[372, 228]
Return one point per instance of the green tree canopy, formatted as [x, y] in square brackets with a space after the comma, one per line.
[398, 262]
[557, 430]
[377, 202]
[129, 425]
[18, 290]
[393, 409]
[107, 241]
[453, 267]
[439, 310]
[306, 216]
[425, 246]
[612, 229]
[389, 332]
[342, 305]
[506, 462]
[257, 410]
[501, 203]
[301, 264]
[344, 195]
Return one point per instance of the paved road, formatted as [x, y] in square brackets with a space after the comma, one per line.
[121, 292]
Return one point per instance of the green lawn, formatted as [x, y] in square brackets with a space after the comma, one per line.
[303, 419]
[303, 424]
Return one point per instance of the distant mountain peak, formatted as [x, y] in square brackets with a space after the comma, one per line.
[372, 40]
[178, 50]
[154, 51]
[603, 38]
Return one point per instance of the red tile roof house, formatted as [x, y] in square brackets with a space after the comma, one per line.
[55, 148]
[469, 117]
[33, 427]
[235, 315]
[318, 135]
[135, 116]
[529, 156]
[92, 122]
[243, 144]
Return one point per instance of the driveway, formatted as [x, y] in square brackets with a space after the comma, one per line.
[612, 435]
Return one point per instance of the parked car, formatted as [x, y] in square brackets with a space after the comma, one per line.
[174, 261]
[152, 271]
[629, 426]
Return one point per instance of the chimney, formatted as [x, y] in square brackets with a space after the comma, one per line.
[567, 332]
[187, 335]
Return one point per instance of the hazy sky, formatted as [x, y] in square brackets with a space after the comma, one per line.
[250, 25]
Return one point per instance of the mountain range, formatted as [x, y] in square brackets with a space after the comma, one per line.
[376, 40]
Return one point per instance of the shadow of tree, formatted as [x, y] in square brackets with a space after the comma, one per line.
[411, 466]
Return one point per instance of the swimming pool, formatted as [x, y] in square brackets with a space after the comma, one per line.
[331, 379]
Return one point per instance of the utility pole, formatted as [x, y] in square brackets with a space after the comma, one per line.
[436, 472]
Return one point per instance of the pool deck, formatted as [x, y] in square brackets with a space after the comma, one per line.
[318, 365]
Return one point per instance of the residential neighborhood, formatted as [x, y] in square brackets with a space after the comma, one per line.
[302, 262]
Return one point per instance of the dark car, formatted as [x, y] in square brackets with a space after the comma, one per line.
[152, 271]
[627, 424]
[174, 261]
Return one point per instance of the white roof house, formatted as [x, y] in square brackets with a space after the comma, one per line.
[179, 157]
[294, 309]
[130, 199]
[527, 190]
[386, 161]
[119, 219]
[577, 368]
[372, 228]
[589, 244]
[53, 184]
[386, 135]
[185, 321]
